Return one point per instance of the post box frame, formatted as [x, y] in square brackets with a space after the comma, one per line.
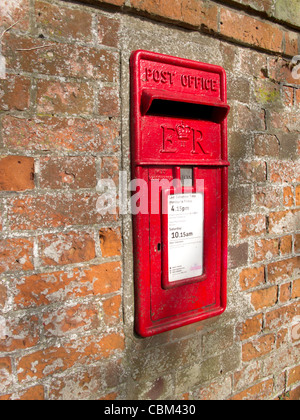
[142, 98]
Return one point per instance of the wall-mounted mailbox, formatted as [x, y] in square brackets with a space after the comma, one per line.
[179, 151]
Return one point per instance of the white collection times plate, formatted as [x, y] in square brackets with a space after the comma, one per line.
[185, 236]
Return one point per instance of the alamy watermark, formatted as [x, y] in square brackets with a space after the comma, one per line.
[139, 196]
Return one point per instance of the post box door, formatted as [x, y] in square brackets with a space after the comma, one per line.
[185, 297]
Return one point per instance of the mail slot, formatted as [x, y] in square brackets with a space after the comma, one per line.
[179, 153]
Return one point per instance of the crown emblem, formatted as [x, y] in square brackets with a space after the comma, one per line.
[183, 131]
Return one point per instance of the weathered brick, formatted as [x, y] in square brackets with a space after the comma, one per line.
[280, 70]
[288, 95]
[110, 273]
[282, 338]
[35, 393]
[3, 296]
[293, 375]
[108, 31]
[20, 333]
[266, 249]
[55, 211]
[239, 199]
[6, 377]
[287, 122]
[58, 134]
[110, 242]
[248, 375]
[253, 63]
[288, 197]
[260, 392]
[296, 289]
[250, 30]
[258, 348]
[286, 245]
[47, 288]
[297, 93]
[267, 197]
[82, 351]
[15, 93]
[229, 55]
[278, 361]
[285, 293]
[77, 386]
[160, 8]
[17, 173]
[68, 172]
[291, 43]
[16, 11]
[59, 21]
[298, 195]
[110, 397]
[283, 270]
[114, 373]
[193, 12]
[252, 226]
[67, 248]
[248, 118]
[239, 90]
[113, 2]
[217, 391]
[16, 254]
[109, 102]
[252, 277]
[237, 146]
[68, 320]
[281, 316]
[252, 172]
[250, 327]
[237, 255]
[1, 216]
[110, 169]
[264, 298]
[266, 145]
[5, 397]
[58, 59]
[267, 93]
[294, 394]
[288, 150]
[111, 310]
[283, 221]
[284, 172]
[64, 98]
[261, 5]
[200, 13]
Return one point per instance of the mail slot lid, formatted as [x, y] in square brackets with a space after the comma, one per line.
[173, 74]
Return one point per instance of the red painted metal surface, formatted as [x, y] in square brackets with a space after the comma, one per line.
[178, 120]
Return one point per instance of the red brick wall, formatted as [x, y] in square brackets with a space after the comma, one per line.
[66, 295]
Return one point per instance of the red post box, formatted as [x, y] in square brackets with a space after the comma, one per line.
[179, 153]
